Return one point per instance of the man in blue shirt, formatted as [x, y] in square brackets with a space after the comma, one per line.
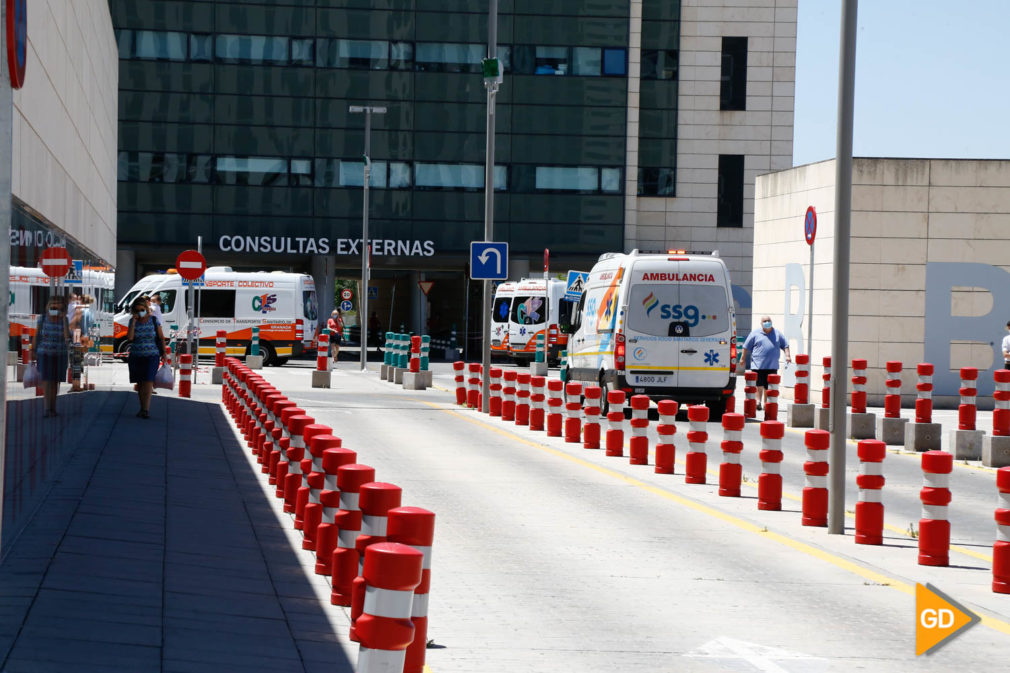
[764, 345]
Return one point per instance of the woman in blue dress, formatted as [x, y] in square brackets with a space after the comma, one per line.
[145, 353]
[50, 350]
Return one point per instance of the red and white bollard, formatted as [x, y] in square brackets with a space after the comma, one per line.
[730, 470]
[924, 397]
[185, 375]
[696, 460]
[1001, 548]
[934, 527]
[323, 353]
[666, 450]
[966, 411]
[26, 348]
[1001, 400]
[591, 410]
[296, 453]
[826, 384]
[772, 398]
[312, 512]
[750, 395]
[220, 347]
[310, 475]
[801, 391]
[815, 470]
[391, 573]
[573, 411]
[892, 398]
[508, 403]
[473, 386]
[538, 413]
[414, 364]
[638, 451]
[494, 392]
[870, 481]
[615, 423]
[458, 368]
[326, 532]
[344, 560]
[858, 395]
[555, 404]
[770, 479]
[415, 527]
[376, 500]
[523, 399]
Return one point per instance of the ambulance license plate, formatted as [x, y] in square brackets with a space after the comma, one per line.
[649, 379]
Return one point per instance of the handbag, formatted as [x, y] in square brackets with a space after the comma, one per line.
[31, 376]
[165, 378]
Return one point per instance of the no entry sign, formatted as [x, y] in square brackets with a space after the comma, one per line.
[190, 264]
[55, 262]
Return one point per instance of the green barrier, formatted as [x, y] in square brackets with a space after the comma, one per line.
[540, 347]
[254, 347]
[425, 348]
[387, 351]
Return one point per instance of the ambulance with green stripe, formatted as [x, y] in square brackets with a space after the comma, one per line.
[661, 325]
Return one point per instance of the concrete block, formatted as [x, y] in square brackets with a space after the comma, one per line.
[398, 373]
[800, 416]
[861, 426]
[538, 369]
[996, 451]
[320, 379]
[19, 372]
[427, 378]
[413, 381]
[383, 371]
[891, 431]
[390, 371]
[217, 375]
[823, 419]
[965, 444]
[254, 361]
[923, 436]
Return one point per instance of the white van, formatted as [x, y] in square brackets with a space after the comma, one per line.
[661, 325]
[539, 307]
[283, 306]
[29, 292]
[501, 307]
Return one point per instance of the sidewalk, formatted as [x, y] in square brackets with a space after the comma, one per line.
[155, 554]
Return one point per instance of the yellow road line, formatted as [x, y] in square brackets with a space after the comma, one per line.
[803, 547]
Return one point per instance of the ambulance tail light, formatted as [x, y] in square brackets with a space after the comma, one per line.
[299, 330]
[619, 351]
[732, 354]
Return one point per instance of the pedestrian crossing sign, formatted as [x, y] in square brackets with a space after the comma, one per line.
[576, 285]
[75, 275]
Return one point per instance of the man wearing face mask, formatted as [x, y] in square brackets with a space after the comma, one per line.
[764, 345]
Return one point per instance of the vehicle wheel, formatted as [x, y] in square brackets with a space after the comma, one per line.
[281, 362]
[269, 354]
[604, 404]
[123, 347]
[716, 410]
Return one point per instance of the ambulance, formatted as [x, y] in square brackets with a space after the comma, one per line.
[29, 292]
[501, 307]
[539, 307]
[661, 325]
[283, 306]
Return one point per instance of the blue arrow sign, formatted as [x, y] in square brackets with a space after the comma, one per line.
[489, 261]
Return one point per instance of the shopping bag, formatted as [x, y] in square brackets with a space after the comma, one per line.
[31, 376]
[164, 378]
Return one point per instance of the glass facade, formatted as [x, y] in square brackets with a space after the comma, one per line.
[234, 120]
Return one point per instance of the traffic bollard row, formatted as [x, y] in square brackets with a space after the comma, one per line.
[815, 470]
[730, 470]
[801, 391]
[666, 450]
[615, 423]
[934, 526]
[772, 398]
[770, 479]
[696, 461]
[966, 410]
[870, 481]
[638, 452]
[591, 411]
[750, 395]
[858, 395]
[573, 410]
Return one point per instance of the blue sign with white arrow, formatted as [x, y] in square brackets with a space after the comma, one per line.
[488, 260]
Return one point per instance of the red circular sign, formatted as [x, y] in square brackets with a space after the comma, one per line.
[346, 294]
[190, 264]
[810, 225]
[17, 41]
[55, 262]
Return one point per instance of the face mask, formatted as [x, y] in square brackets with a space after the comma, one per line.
[141, 313]
[54, 312]
[766, 325]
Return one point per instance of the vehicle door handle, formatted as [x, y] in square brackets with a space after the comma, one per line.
[689, 351]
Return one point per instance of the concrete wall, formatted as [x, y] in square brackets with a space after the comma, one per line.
[929, 263]
[763, 132]
[65, 121]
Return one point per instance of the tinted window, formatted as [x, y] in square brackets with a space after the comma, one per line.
[167, 300]
[501, 308]
[652, 309]
[309, 304]
[733, 85]
[730, 194]
[217, 303]
[529, 310]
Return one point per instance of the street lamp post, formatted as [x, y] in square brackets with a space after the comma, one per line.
[369, 110]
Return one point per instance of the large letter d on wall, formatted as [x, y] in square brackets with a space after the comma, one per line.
[942, 328]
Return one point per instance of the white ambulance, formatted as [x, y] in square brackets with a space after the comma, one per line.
[283, 306]
[501, 307]
[661, 325]
[29, 292]
[539, 307]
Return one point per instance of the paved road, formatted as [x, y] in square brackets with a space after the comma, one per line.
[549, 557]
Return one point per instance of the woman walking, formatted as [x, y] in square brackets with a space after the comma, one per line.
[49, 349]
[145, 353]
[336, 327]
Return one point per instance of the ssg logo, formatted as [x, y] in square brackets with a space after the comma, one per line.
[689, 314]
[264, 303]
[650, 303]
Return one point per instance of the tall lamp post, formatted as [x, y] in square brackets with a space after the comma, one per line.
[369, 110]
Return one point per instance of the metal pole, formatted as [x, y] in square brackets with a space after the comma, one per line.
[810, 306]
[840, 303]
[363, 294]
[6, 143]
[492, 91]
